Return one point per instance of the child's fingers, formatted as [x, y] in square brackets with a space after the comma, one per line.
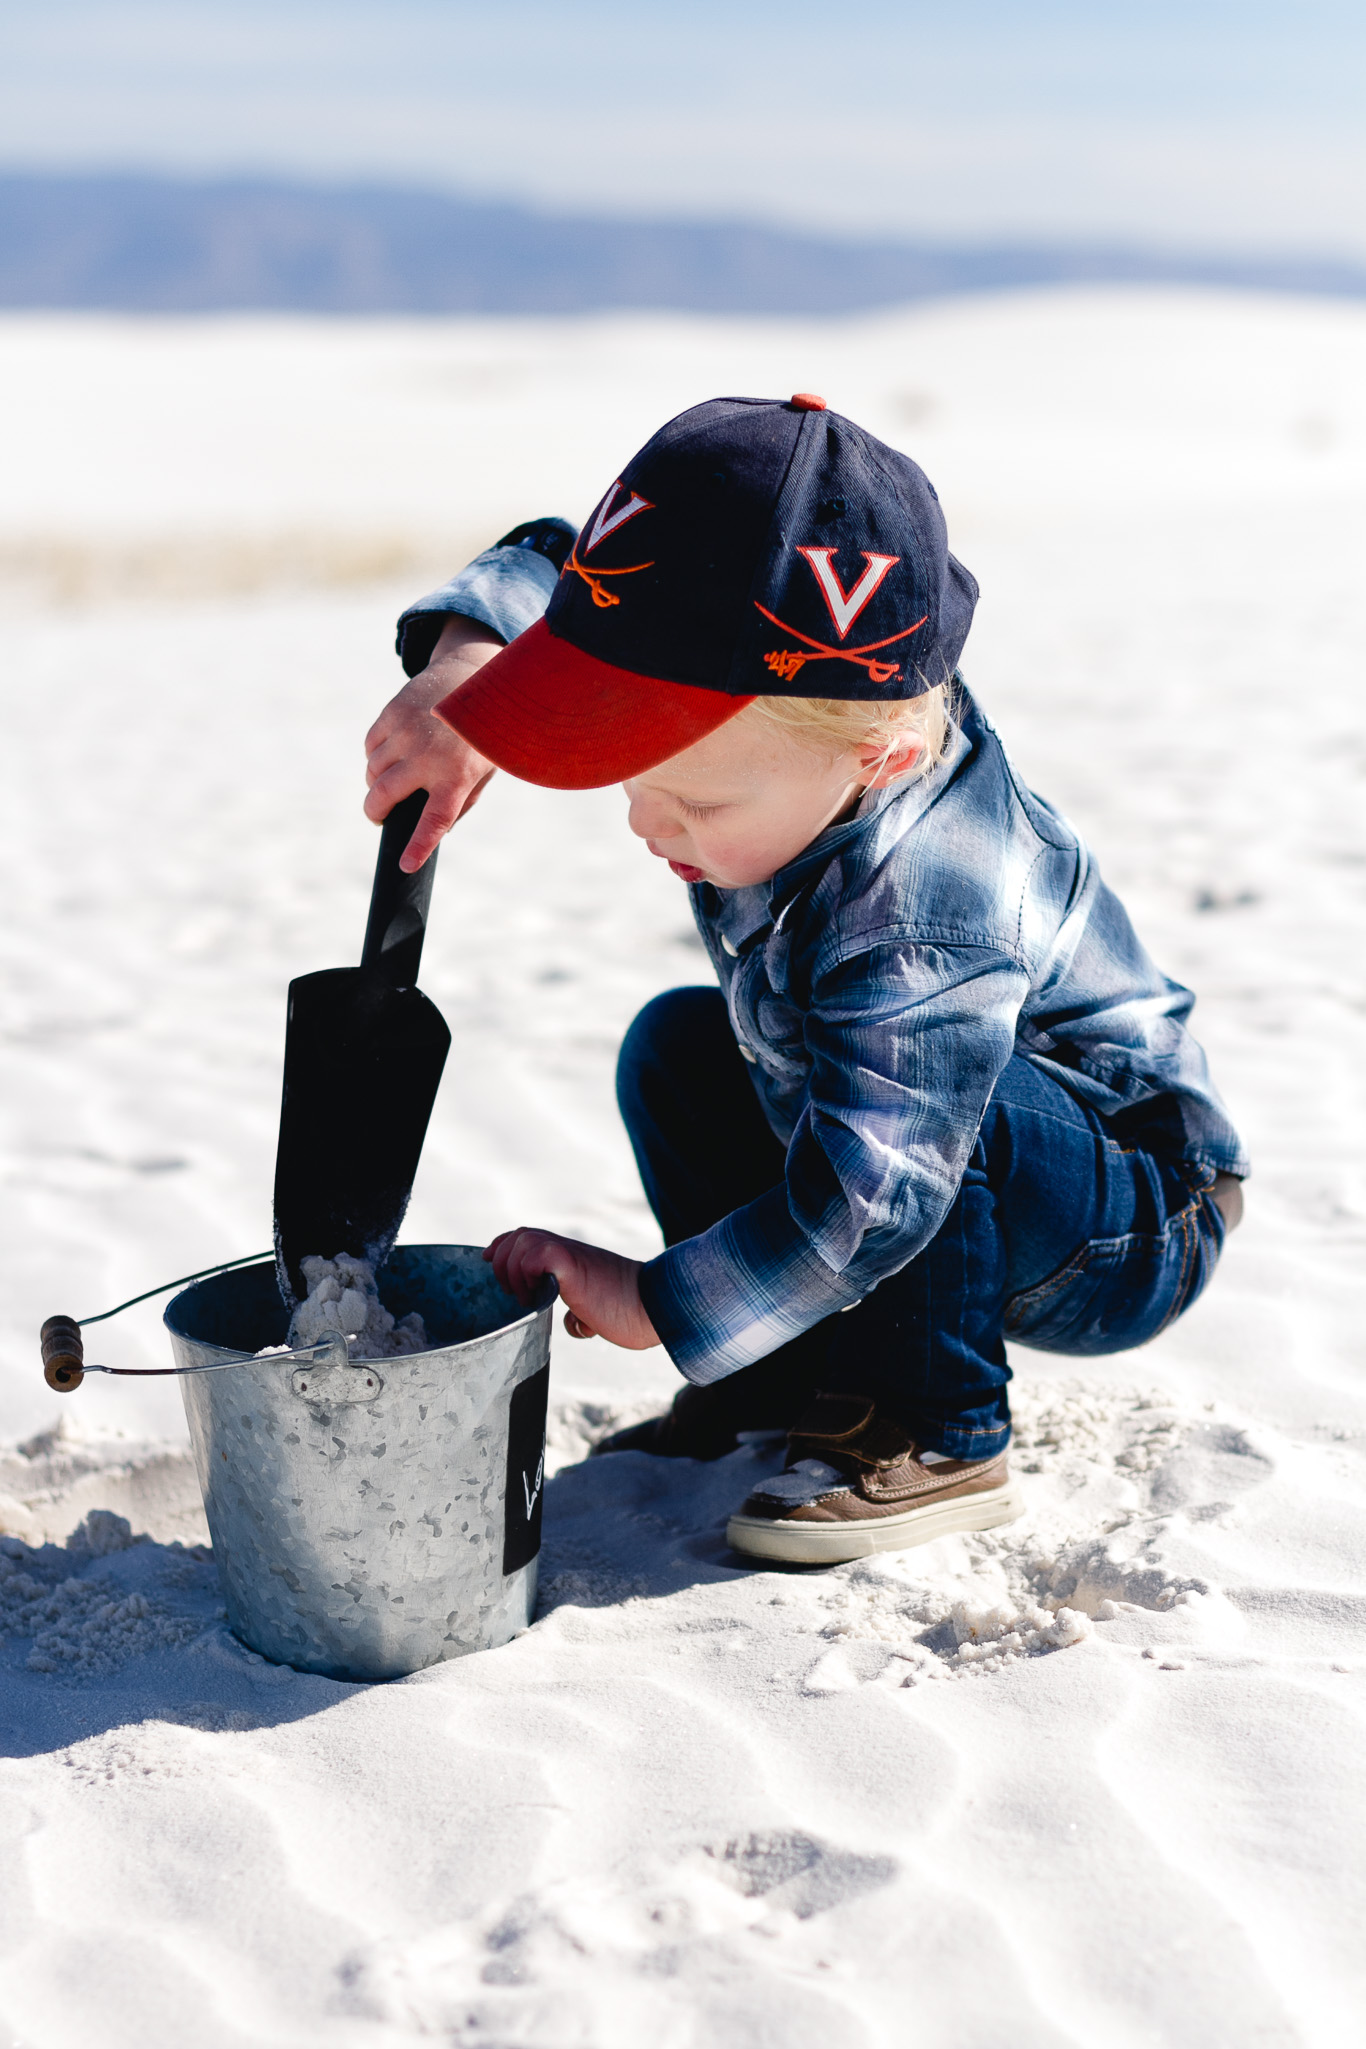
[438, 816]
[476, 792]
[380, 731]
[394, 763]
[497, 1255]
[452, 797]
[519, 1259]
[384, 745]
[527, 1262]
[389, 789]
[512, 1268]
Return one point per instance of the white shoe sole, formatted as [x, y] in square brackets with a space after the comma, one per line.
[797, 1543]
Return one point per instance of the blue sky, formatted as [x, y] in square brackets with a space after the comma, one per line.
[1218, 122]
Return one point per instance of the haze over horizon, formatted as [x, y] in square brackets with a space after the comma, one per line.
[1209, 125]
[161, 244]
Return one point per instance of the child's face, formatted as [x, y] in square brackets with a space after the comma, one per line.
[742, 803]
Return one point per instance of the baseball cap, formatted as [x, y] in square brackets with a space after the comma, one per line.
[754, 547]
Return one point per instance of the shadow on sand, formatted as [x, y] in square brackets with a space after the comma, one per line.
[112, 1629]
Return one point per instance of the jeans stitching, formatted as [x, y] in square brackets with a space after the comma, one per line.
[1179, 1293]
[1190, 1247]
[1045, 1290]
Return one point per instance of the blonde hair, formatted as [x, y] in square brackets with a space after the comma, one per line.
[887, 723]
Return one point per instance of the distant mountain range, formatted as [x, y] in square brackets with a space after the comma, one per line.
[166, 245]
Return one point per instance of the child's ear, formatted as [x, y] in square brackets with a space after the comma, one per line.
[878, 769]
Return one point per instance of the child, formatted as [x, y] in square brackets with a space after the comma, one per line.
[942, 1096]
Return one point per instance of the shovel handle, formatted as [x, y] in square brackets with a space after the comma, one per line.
[63, 1354]
[398, 902]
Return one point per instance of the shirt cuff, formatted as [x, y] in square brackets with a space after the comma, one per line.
[507, 589]
[735, 1293]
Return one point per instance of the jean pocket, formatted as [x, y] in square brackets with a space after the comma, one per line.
[1116, 1293]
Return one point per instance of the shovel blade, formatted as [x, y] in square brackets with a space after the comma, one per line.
[363, 1061]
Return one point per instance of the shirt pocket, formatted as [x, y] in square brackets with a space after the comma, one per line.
[767, 1025]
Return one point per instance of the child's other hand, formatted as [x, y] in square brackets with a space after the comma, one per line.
[601, 1290]
[407, 749]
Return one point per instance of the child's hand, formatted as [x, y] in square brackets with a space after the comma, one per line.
[601, 1290]
[407, 749]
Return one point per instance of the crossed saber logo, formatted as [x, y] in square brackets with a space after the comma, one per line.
[605, 522]
[843, 605]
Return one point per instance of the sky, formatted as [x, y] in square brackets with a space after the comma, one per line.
[1211, 123]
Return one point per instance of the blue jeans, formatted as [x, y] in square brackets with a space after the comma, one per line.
[1062, 1236]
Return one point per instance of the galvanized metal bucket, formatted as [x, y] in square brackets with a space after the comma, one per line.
[370, 1520]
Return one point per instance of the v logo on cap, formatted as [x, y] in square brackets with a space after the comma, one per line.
[606, 522]
[844, 606]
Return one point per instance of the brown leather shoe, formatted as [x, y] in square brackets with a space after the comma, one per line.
[856, 1483]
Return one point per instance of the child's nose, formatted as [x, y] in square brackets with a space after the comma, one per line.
[651, 821]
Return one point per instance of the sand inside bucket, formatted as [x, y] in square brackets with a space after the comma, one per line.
[343, 1297]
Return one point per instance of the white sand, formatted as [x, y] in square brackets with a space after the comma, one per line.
[342, 1297]
[898, 1802]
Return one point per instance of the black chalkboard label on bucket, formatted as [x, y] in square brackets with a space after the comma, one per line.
[526, 1470]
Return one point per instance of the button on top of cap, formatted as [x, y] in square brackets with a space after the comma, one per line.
[808, 402]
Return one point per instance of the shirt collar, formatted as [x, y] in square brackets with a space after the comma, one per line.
[882, 817]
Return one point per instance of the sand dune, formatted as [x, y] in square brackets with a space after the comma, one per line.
[1092, 1779]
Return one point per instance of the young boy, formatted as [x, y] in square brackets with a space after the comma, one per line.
[942, 1096]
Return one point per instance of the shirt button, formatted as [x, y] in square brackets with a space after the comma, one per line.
[729, 946]
[745, 1054]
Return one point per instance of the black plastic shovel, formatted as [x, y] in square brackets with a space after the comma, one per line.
[364, 1050]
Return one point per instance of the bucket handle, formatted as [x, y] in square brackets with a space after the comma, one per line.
[65, 1364]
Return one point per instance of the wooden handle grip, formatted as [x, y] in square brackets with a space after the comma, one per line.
[63, 1354]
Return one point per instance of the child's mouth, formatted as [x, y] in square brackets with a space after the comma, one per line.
[687, 874]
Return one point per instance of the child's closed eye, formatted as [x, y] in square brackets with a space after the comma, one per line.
[696, 810]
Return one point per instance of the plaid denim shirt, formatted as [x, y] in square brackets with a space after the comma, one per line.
[877, 986]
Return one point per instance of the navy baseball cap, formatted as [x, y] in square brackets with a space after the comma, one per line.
[754, 547]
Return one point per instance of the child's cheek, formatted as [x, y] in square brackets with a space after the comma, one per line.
[742, 858]
[725, 852]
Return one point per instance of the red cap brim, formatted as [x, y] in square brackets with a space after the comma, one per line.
[547, 712]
